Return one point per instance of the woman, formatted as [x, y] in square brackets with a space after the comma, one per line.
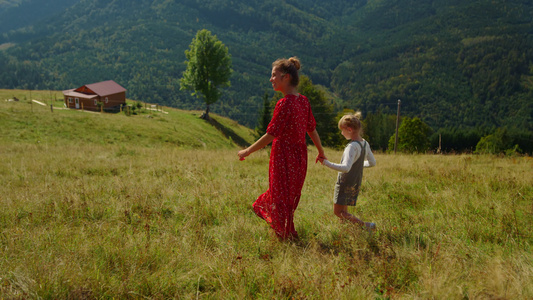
[291, 120]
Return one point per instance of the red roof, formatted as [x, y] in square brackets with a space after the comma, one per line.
[105, 88]
[73, 93]
[102, 89]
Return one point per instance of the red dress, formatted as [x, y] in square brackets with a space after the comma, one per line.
[291, 120]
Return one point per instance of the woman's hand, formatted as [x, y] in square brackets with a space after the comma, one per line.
[259, 144]
[243, 153]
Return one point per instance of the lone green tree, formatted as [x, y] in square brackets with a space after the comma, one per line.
[208, 68]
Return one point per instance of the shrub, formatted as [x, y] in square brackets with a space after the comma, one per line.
[413, 136]
[497, 143]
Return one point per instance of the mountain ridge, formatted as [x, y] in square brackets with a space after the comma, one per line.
[435, 56]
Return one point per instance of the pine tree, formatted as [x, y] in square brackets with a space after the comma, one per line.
[264, 117]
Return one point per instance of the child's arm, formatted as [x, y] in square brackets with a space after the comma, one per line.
[349, 156]
[370, 161]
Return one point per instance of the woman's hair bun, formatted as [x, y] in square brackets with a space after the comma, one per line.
[296, 62]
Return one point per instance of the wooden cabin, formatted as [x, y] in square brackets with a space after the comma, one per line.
[108, 93]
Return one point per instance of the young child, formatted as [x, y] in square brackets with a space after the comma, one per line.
[357, 155]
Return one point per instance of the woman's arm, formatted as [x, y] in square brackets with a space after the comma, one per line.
[259, 144]
[316, 140]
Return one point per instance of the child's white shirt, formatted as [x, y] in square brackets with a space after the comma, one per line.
[350, 155]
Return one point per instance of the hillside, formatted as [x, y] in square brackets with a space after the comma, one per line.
[452, 63]
[29, 122]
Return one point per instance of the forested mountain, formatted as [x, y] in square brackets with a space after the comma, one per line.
[15, 14]
[452, 63]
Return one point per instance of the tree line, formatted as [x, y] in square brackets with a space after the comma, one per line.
[414, 135]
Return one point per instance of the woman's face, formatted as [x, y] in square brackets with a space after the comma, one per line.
[279, 80]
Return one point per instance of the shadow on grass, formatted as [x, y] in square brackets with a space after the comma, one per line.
[227, 132]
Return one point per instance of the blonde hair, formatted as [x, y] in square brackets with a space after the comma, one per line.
[351, 121]
[289, 66]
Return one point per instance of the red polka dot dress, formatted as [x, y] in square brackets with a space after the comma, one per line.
[291, 120]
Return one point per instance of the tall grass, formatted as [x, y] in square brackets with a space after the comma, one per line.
[86, 219]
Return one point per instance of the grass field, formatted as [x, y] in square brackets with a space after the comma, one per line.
[135, 208]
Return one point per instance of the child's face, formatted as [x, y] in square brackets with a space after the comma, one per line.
[347, 132]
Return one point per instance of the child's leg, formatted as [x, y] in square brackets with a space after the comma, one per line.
[341, 211]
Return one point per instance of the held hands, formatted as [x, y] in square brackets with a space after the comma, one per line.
[320, 158]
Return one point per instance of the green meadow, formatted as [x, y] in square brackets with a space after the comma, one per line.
[157, 205]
